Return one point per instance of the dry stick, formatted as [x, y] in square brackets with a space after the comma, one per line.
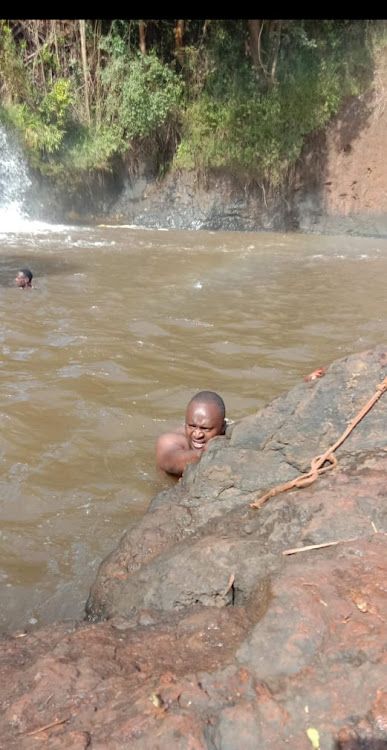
[317, 463]
[326, 544]
[317, 546]
[230, 585]
[48, 726]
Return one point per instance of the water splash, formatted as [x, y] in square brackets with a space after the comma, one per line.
[15, 184]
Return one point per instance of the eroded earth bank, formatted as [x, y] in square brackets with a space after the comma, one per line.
[199, 632]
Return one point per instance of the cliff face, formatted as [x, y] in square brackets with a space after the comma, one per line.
[339, 185]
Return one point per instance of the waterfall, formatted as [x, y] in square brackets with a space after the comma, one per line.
[19, 194]
[14, 183]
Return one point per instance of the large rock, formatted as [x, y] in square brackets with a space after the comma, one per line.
[193, 537]
[205, 636]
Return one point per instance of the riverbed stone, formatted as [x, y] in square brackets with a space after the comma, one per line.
[212, 625]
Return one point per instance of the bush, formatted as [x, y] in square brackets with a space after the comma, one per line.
[38, 136]
[56, 104]
[142, 95]
[245, 121]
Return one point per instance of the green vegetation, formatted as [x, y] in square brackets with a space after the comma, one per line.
[199, 95]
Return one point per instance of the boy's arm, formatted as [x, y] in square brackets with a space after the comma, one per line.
[172, 454]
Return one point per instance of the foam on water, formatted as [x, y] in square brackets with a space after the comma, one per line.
[14, 221]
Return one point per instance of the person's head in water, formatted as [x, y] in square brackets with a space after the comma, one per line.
[205, 419]
[24, 278]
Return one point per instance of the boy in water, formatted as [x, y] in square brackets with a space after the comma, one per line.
[205, 418]
[24, 278]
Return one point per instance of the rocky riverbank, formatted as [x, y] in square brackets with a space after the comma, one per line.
[202, 630]
[338, 185]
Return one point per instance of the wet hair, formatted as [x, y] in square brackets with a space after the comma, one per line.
[27, 273]
[210, 397]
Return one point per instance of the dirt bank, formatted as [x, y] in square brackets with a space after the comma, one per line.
[340, 183]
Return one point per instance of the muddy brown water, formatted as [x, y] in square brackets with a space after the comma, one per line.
[123, 327]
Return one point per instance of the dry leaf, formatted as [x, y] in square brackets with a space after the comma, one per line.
[314, 737]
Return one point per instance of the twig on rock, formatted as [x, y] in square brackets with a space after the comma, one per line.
[229, 586]
[48, 726]
[317, 546]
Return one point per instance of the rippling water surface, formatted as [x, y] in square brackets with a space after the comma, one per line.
[123, 327]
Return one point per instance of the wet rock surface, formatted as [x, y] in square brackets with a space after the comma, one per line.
[201, 633]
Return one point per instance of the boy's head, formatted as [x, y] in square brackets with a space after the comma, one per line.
[24, 277]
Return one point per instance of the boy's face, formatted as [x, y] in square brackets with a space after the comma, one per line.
[21, 280]
[203, 421]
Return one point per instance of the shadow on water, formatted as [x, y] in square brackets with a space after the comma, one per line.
[40, 265]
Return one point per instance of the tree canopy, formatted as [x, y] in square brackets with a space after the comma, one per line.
[194, 94]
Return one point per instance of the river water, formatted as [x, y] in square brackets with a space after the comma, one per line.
[123, 326]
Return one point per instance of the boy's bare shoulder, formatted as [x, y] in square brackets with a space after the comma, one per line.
[175, 439]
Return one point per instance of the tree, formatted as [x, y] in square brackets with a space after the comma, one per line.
[82, 30]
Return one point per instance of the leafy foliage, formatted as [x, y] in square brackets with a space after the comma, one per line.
[232, 94]
[56, 104]
[15, 83]
[142, 94]
[241, 121]
[39, 136]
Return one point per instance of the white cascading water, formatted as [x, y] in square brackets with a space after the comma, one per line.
[14, 183]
